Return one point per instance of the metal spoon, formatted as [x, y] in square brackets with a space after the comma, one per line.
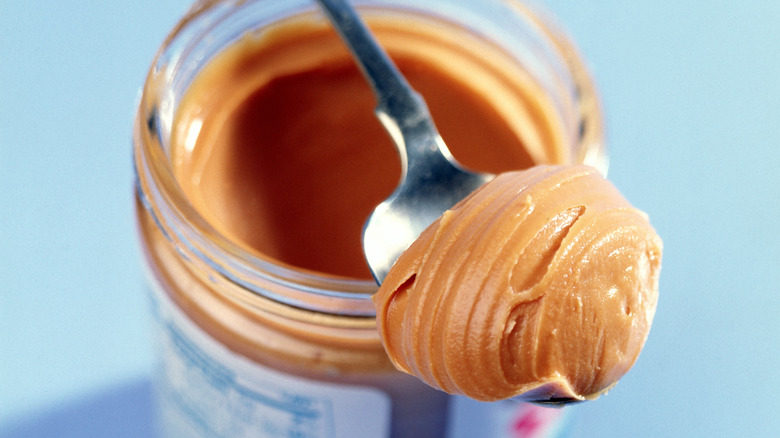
[431, 180]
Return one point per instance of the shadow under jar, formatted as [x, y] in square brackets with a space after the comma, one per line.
[258, 158]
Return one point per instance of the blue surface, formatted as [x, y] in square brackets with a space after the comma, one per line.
[691, 92]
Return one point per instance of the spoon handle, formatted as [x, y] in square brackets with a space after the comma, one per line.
[431, 180]
[400, 108]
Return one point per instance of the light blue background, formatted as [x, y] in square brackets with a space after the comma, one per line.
[691, 92]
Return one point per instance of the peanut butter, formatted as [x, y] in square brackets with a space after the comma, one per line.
[287, 159]
[542, 286]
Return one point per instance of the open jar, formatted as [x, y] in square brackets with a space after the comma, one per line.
[257, 159]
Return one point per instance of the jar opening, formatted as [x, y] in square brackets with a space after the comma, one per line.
[265, 240]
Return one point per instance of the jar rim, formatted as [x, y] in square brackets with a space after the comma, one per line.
[197, 240]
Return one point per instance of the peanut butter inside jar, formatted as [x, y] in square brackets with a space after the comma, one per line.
[276, 143]
[255, 179]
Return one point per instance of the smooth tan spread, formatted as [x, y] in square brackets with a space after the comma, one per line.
[277, 146]
[541, 286]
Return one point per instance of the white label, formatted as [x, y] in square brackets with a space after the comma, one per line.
[206, 390]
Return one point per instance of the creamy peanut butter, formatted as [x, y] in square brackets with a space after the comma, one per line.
[287, 159]
[542, 285]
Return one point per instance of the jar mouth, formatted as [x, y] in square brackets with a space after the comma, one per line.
[203, 33]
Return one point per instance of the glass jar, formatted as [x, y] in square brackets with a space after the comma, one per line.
[251, 346]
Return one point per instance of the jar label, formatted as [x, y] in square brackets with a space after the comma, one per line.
[206, 390]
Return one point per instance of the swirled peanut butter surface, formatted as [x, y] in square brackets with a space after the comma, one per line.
[541, 286]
